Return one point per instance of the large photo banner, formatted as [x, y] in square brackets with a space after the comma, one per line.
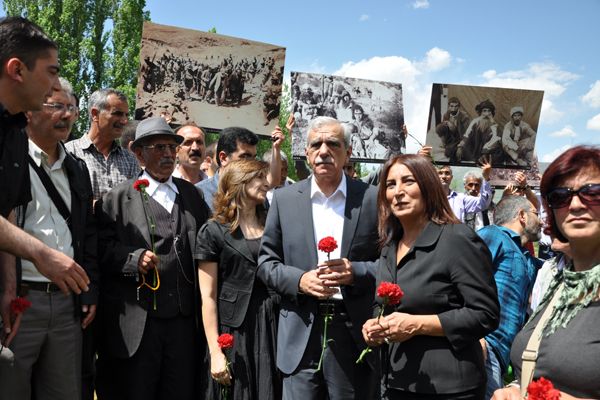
[372, 111]
[213, 80]
[467, 123]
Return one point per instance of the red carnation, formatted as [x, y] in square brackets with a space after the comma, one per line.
[19, 305]
[225, 341]
[141, 184]
[390, 293]
[542, 389]
[327, 244]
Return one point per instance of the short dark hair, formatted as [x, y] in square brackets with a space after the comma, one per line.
[24, 40]
[128, 135]
[437, 207]
[565, 166]
[231, 136]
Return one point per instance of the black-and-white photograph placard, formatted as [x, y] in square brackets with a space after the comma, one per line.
[467, 123]
[371, 110]
[214, 80]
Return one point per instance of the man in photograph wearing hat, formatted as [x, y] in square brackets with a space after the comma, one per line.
[481, 136]
[149, 340]
[518, 139]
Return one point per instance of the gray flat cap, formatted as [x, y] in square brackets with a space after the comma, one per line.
[155, 126]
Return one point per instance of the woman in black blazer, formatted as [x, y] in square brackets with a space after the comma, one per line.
[233, 301]
[430, 340]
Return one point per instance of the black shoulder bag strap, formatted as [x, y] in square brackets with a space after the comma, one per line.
[52, 192]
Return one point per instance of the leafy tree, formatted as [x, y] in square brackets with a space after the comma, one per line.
[99, 41]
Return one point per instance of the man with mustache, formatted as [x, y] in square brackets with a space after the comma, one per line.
[190, 154]
[148, 339]
[481, 135]
[312, 286]
[108, 163]
[517, 223]
[518, 139]
[47, 347]
[452, 128]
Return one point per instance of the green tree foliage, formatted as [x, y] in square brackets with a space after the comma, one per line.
[99, 41]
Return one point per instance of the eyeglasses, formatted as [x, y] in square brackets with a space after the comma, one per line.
[161, 147]
[60, 107]
[561, 197]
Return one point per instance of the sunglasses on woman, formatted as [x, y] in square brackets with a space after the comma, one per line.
[561, 197]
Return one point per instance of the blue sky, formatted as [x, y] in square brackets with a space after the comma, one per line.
[548, 45]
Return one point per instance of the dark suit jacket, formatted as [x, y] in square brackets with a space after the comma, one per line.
[123, 236]
[83, 225]
[288, 250]
[447, 272]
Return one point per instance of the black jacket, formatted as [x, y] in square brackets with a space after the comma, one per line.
[448, 273]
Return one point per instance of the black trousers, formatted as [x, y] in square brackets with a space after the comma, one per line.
[163, 367]
[340, 378]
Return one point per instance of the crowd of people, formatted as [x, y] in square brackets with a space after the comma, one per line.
[189, 276]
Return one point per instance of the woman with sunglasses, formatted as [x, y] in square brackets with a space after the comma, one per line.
[233, 300]
[569, 350]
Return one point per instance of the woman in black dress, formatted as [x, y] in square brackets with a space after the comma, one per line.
[431, 339]
[233, 301]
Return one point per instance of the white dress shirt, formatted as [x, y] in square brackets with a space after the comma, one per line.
[328, 218]
[163, 192]
[42, 218]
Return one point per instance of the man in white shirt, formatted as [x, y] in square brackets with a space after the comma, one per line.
[47, 346]
[149, 309]
[311, 287]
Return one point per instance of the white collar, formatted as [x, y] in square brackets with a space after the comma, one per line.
[37, 154]
[153, 184]
[314, 188]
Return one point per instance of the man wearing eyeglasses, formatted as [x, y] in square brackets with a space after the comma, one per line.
[517, 223]
[29, 70]
[109, 164]
[149, 340]
[47, 347]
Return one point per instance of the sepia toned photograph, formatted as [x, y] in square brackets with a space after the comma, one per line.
[467, 123]
[371, 110]
[213, 80]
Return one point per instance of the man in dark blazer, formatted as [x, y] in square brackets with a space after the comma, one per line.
[149, 334]
[325, 204]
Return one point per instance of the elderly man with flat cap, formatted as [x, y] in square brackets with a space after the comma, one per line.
[149, 340]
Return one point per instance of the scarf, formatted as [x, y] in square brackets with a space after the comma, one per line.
[579, 290]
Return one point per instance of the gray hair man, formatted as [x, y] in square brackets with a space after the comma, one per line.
[48, 345]
[517, 223]
[311, 286]
[109, 164]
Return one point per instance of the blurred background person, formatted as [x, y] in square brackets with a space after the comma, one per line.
[450, 299]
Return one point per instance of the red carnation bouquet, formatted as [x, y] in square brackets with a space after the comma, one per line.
[542, 389]
[391, 295]
[225, 341]
[140, 185]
